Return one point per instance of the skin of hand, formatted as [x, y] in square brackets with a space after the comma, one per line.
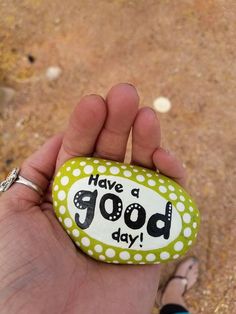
[41, 271]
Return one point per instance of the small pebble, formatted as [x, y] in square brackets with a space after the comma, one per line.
[6, 95]
[57, 21]
[53, 73]
[162, 104]
[8, 161]
[31, 58]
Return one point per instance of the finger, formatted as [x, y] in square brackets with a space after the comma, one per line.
[122, 102]
[146, 137]
[38, 168]
[84, 127]
[168, 164]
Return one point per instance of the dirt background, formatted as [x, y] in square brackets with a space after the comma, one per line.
[181, 49]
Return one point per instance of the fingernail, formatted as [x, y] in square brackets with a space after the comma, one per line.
[130, 84]
[150, 112]
[167, 151]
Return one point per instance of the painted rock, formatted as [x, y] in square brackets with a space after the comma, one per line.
[123, 214]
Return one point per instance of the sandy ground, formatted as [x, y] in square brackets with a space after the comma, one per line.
[181, 49]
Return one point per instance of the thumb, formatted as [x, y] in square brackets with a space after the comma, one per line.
[38, 168]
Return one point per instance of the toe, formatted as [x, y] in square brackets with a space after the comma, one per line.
[185, 266]
[189, 269]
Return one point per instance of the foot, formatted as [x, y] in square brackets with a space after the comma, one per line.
[183, 279]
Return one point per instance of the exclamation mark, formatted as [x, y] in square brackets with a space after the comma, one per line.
[141, 239]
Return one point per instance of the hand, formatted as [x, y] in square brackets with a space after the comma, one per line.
[41, 270]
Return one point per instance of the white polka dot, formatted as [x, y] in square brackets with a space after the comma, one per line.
[62, 209]
[56, 187]
[164, 255]
[85, 241]
[151, 182]
[190, 242]
[60, 219]
[88, 169]
[142, 263]
[173, 196]
[61, 195]
[68, 222]
[161, 181]
[171, 188]
[58, 174]
[149, 175]
[127, 173]
[110, 253]
[114, 170]
[108, 163]
[75, 232]
[76, 172]
[82, 163]
[176, 256]
[187, 232]
[68, 231]
[194, 225]
[150, 257]
[102, 169]
[182, 198]
[123, 167]
[187, 218]
[77, 243]
[73, 162]
[90, 252]
[135, 170]
[190, 200]
[144, 170]
[180, 206]
[64, 180]
[162, 189]
[129, 262]
[68, 168]
[178, 246]
[140, 178]
[98, 248]
[96, 161]
[162, 104]
[138, 257]
[102, 257]
[115, 262]
[124, 255]
[191, 208]
[55, 203]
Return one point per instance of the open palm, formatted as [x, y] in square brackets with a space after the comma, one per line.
[41, 270]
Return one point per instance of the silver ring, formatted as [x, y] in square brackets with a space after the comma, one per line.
[15, 177]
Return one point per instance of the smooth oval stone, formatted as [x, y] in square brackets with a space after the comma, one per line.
[123, 214]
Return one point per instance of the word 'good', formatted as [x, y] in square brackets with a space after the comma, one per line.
[124, 214]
